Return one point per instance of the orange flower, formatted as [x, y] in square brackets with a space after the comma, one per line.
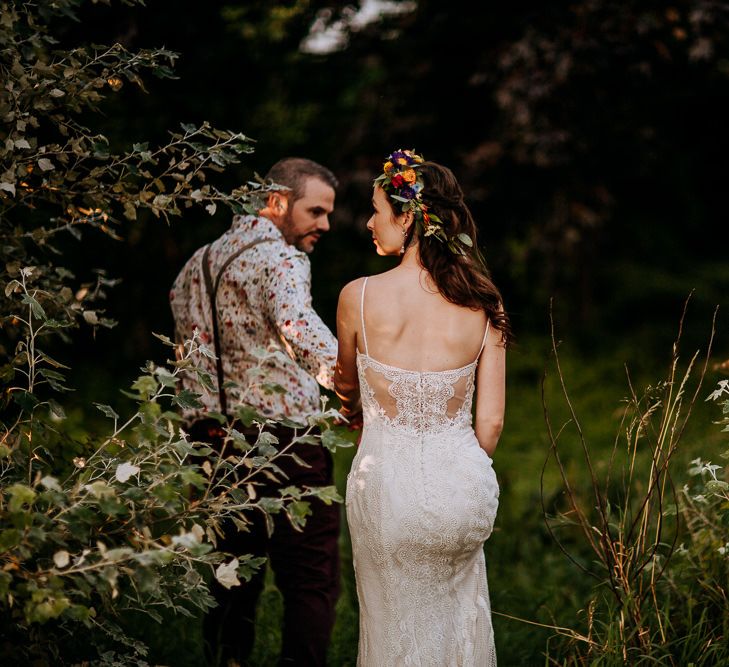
[409, 176]
[402, 161]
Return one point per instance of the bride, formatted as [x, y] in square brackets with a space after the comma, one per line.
[414, 343]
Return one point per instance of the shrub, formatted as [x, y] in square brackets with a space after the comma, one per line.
[128, 519]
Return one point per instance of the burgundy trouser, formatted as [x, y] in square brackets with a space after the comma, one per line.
[305, 564]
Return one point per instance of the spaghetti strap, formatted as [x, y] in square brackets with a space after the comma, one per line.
[361, 314]
[485, 336]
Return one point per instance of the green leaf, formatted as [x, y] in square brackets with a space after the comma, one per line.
[297, 511]
[465, 239]
[249, 566]
[51, 361]
[56, 409]
[107, 410]
[187, 399]
[332, 440]
[309, 439]
[100, 489]
[9, 538]
[5, 581]
[146, 385]
[25, 400]
[164, 339]
[54, 379]
[248, 415]
[288, 423]
[266, 438]
[35, 307]
[190, 476]
[20, 495]
[165, 378]
[270, 505]
[45, 605]
[264, 449]
[239, 441]
[327, 494]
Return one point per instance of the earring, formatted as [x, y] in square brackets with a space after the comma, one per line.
[402, 247]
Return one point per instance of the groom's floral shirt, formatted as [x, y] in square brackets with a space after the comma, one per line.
[264, 301]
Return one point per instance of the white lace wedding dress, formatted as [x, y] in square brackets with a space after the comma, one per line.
[421, 500]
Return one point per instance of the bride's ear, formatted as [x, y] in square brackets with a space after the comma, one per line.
[407, 220]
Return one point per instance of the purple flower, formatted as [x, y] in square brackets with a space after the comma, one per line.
[407, 192]
[397, 156]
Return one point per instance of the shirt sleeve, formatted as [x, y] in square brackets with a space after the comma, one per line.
[289, 301]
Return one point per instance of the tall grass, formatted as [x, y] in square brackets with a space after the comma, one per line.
[620, 525]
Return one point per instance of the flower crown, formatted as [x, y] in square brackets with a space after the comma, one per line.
[403, 183]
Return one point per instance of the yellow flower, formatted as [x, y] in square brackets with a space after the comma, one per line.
[388, 166]
[418, 158]
[409, 175]
[402, 160]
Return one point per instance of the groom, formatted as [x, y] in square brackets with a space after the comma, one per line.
[264, 298]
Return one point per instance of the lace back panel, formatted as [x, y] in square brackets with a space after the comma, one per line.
[415, 401]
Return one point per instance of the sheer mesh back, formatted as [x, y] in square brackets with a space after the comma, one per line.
[417, 401]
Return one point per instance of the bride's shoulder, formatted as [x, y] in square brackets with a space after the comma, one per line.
[351, 291]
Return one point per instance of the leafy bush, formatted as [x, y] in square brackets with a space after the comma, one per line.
[128, 519]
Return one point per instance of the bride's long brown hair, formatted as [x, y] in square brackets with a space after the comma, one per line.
[462, 279]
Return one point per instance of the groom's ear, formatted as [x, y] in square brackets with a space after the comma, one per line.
[278, 202]
[276, 206]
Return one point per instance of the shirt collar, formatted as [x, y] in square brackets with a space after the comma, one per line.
[258, 225]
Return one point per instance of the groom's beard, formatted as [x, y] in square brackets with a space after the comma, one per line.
[303, 242]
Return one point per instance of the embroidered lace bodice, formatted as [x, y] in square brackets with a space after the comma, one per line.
[417, 402]
[421, 500]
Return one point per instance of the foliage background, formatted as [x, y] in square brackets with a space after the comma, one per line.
[589, 137]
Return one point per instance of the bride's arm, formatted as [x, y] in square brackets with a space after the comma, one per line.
[490, 392]
[346, 383]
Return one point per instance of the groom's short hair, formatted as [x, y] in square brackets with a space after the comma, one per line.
[294, 171]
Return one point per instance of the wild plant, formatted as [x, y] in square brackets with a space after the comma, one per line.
[617, 524]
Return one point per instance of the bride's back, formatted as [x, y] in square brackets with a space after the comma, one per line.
[410, 325]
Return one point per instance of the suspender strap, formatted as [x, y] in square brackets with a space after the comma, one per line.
[212, 290]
